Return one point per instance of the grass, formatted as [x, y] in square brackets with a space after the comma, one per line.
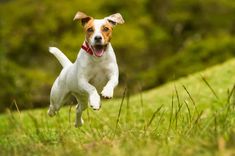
[194, 115]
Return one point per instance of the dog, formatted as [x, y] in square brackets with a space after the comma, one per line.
[94, 71]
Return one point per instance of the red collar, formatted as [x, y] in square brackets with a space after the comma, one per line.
[87, 48]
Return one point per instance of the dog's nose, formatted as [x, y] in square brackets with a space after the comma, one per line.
[98, 38]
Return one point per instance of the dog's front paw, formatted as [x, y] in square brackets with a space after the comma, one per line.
[107, 92]
[94, 101]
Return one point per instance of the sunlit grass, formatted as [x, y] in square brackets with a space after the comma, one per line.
[191, 116]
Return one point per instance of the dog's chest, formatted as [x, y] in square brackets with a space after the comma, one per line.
[98, 74]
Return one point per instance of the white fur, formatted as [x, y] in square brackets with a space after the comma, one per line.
[85, 79]
[97, 24]
[64, 61]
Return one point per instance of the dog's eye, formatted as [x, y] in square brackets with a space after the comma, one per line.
[90, 30]
[105, 29]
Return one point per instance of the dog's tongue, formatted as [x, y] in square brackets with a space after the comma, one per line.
[99, 51]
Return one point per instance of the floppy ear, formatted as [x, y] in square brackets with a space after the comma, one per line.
[115, 19]
[82, 17]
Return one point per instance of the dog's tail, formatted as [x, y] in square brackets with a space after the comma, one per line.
[64, 61]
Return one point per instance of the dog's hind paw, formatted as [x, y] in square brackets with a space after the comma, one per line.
[79, 124]
[51, 112]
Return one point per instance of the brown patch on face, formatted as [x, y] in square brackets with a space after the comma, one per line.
[89, 29]
[106, 31]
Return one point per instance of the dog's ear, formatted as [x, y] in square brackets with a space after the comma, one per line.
[80, 16]
[115, 19]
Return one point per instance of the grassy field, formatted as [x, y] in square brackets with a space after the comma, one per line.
[194, 115]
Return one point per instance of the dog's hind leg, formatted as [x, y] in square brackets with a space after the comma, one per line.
[59, 95]
[79, 108]
[78, 119]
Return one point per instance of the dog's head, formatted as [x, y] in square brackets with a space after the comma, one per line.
[98, 31]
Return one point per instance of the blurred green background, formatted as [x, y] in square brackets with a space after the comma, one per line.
[160, 41]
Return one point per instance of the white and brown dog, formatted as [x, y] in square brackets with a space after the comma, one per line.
[95, 69]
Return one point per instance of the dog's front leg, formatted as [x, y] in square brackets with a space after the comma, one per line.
[107, 91]
[94, 98]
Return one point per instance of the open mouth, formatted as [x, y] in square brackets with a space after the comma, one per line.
[99, 50]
